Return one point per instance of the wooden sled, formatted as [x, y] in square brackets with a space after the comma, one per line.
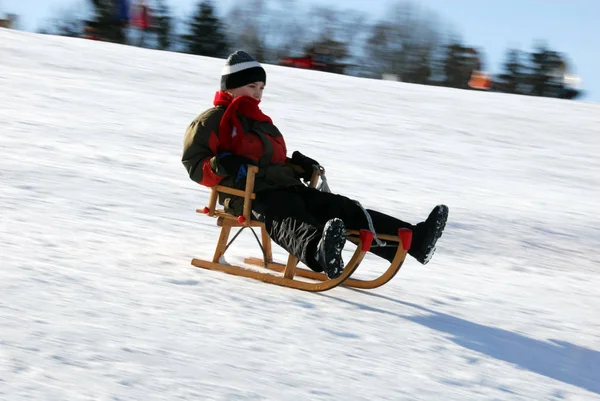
[289, 271]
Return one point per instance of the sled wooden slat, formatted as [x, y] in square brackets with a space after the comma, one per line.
[358, 256]
[224, 218]
[236, 192]
[289, 269]
[389, 274]
[249, 194]
[266, 243]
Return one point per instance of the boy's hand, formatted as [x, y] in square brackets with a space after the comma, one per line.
[228, 164]
[306, 163]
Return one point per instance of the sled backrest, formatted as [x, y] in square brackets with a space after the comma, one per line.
[248, 194]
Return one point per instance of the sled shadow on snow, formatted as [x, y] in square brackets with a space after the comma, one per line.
[559, 360]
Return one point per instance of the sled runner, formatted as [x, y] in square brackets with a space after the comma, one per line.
[289, 271]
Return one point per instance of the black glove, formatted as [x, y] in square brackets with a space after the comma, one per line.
[228, 164]
[306, 163]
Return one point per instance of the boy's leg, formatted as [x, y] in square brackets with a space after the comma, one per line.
[325, 206]
[424, 238]
[289, 224]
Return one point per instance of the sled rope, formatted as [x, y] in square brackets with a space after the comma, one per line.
[324, 187]
[234, 237]
[257, 240]
[371, 228]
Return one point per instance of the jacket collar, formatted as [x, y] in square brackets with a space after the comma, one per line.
[222, 98]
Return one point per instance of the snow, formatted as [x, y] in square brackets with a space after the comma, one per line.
[98, 300]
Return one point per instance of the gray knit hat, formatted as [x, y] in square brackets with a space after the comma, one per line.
[240, 70]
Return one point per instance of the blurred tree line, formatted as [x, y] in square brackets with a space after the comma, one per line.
[411, 44]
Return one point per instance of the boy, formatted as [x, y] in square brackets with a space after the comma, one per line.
[307, 223]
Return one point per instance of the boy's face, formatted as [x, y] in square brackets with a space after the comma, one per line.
[253, 89]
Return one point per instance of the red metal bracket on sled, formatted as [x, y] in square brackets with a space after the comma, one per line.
[405, 236]
[240, 219]
[366, 239]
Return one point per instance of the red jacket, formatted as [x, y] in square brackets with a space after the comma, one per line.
[237, 126]
[141, 17]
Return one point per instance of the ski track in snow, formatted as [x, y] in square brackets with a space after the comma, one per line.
[98, 300]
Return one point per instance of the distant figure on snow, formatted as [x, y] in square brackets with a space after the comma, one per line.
[308, 223]
[141, 20]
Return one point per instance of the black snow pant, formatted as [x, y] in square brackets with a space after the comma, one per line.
[295, 217]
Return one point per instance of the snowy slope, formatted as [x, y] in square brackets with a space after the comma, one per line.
[98, 300]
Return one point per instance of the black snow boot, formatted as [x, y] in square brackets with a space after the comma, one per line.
[329, 249]
[428, 232]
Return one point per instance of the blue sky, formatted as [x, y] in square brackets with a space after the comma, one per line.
[569, 26]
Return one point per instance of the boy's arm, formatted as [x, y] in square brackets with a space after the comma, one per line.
[200, 145]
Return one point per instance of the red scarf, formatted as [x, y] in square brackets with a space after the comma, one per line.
[231, 132]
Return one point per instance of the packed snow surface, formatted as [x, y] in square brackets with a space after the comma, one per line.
[98, 300]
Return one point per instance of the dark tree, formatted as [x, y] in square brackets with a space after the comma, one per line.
[513, 78]
[547, 72]
[459, 64]
[109, 20]
[404, 44]
[206, 35]
[250, 25]
[163, 24]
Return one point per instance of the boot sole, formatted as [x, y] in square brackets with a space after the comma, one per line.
[334, 239]
[440, 218]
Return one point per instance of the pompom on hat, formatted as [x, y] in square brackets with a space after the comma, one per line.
[241, 69]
